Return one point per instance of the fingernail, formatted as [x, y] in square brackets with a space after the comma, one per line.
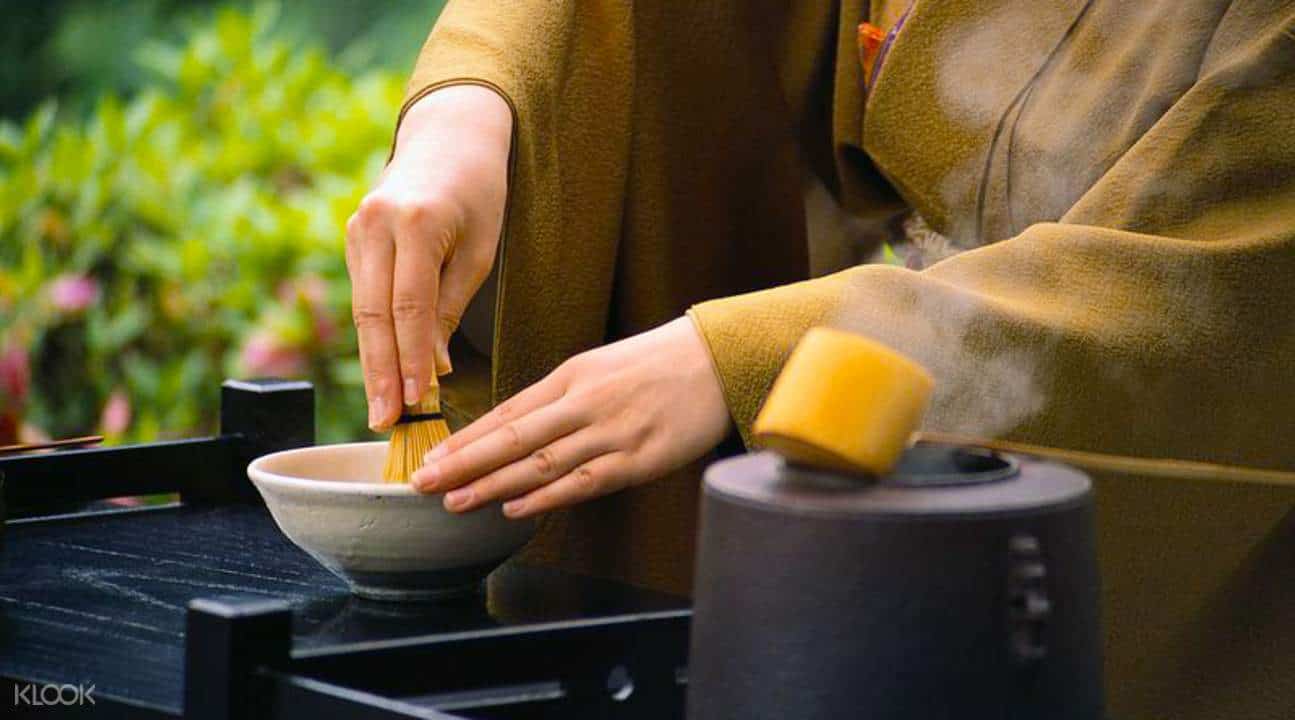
[514, 508]
[458, 499]
[426, 478]
[435, 454]
[377, 412]
[443, 364]
[411, 391]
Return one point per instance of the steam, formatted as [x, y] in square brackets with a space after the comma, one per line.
[1007, 42]
[1100, 97]
[983, 387]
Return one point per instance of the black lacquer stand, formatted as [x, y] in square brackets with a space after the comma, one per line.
[203, 610]
[256, 417]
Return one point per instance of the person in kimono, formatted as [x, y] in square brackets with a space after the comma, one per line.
[1096, 203]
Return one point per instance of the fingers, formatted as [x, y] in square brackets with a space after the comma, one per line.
[603, 475]
[511, 441]
[464, 273]
[370, 253]
[423, 237]
[533, 471]
[546, 391]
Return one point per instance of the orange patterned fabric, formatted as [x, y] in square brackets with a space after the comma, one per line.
[870, 39]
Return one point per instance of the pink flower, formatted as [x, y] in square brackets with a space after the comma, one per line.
[311, 288]
[115, 418]
[310, 291]
[325, 328]
[15, 376]
[73, 293]
[264, 356]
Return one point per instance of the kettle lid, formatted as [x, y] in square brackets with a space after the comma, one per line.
[930, 479]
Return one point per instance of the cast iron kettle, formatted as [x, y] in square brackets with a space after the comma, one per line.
[962, 585]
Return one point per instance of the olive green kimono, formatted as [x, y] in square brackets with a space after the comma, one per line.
[1128, 287]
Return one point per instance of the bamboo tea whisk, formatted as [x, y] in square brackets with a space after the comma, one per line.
[420, 428]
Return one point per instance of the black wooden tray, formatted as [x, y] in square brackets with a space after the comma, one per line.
[205, 610]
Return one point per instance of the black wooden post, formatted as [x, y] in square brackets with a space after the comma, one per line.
[263, 416]
[270, 414]
[227, 640]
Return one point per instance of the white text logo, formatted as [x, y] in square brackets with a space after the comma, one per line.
[48, 695]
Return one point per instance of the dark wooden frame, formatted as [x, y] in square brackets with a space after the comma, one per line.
[240, 665]
[239, 661]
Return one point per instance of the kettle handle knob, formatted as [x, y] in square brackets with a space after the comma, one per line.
[1028, 605]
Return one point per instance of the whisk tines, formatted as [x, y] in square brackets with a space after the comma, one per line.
[420, 428]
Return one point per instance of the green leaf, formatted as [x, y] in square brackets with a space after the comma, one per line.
[39, 125]
[116, 332]
[192, 200]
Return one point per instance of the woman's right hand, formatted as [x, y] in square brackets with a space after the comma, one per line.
[423, 240]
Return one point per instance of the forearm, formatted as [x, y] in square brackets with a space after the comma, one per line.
[1070, 335]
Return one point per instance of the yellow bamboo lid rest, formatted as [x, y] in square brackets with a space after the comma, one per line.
[844, 402]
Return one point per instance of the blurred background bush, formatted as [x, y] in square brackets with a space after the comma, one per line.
[174, 179]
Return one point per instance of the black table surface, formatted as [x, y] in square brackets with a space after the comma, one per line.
[101, 599]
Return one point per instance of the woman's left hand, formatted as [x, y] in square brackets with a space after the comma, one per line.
[615, 416]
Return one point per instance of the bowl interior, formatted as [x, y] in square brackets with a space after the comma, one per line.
[348, 463]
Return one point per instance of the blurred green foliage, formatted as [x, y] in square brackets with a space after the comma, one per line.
[77, 50]
[190, 232]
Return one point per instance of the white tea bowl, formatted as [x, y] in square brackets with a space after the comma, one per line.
[387, 541]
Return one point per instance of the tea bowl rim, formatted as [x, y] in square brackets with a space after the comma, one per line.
[259, 475]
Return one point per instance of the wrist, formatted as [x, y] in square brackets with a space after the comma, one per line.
[465, 105]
